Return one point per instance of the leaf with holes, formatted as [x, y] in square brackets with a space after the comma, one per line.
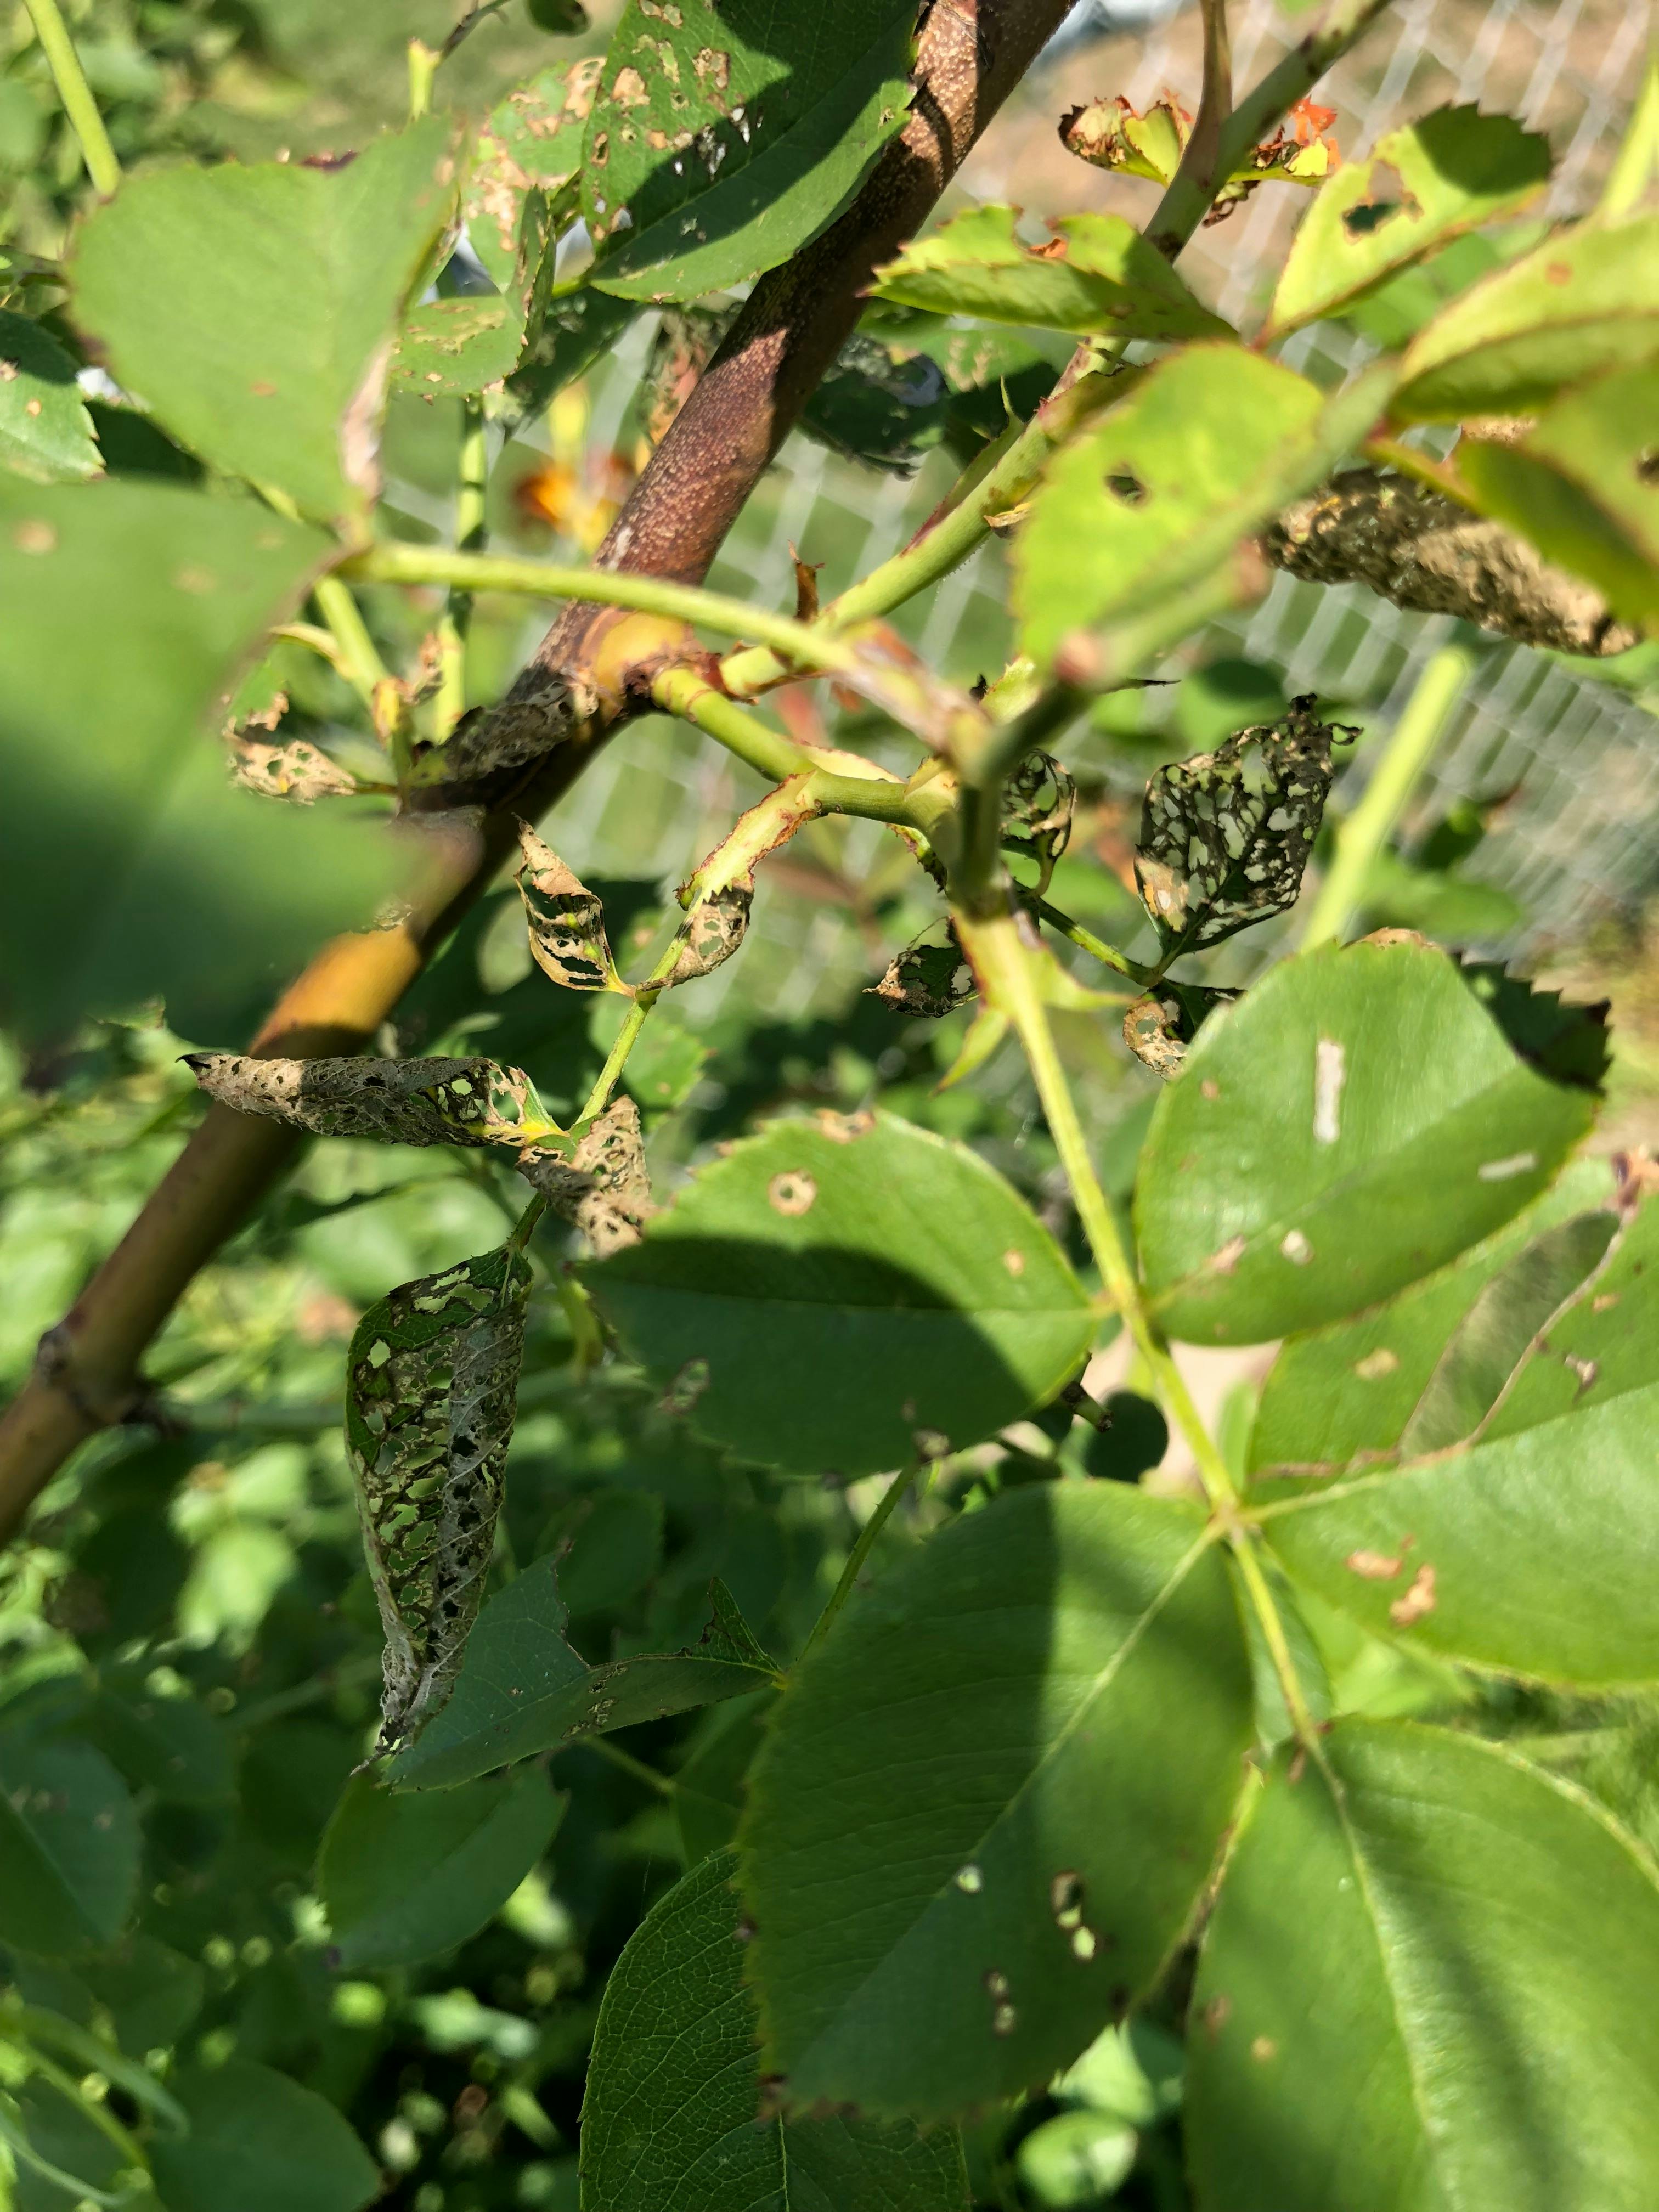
[601, 1185]
[1210, 442]
[1038, 803]
[883, 1277]
[1460, 1952]
[404, 1879]
[441, 1101]
[1225, 836]
[568, 938]
[720, 895]
[432, 1381]
[45, 432]
[718, 145]
[1353, 1122]
[1096, 273]
[1422, 186]
[967, 1847]
[1585, 301]
[523, 1689]
[254, 308]
[673, 2088]
[1556, 1480]
[930, 976]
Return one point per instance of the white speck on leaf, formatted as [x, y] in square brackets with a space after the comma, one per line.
[1296, 1248]
[1330, 1072]
[1501, 1171]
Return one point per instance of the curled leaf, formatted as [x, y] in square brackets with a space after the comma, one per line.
[566, 921]
[432, 1388]
[1159, 1027]
[719, 897]
[297, 770]
[1225, 836]
[1036, 813]
[1112, 134]
[931, 977]
[440, 1101]
[602, 1185]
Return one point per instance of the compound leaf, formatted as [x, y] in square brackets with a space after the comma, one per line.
[1349, 1125]
[870, 1273]
[673, 2089]
[45, 432]
[1460, 1953]
[432, 1390]
[967, 1845]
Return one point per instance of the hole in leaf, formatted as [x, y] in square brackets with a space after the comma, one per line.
[1388, 198]
[1125, 484]
[1647, 464]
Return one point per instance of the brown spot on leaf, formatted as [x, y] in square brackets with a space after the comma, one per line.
[1262, 2049]
[35, 536]
[1216, 2013]
[1558, 272]
[1418, 1600]
[1374, 1566]
[1014, 1262]
[1224, 1262]
[1376, 1365]
[794, 1192]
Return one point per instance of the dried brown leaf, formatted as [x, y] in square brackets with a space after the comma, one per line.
[440, 1101]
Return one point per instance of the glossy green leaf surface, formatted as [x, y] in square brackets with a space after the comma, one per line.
[671, 2112]
[259, 2143]
[1421, 187]
[522, 1689]
[1585, 301]
[251, 308]
[1096, 273]
[69, 1848]
[1427, 1984]
[1351, 1125]
[882, 1274]
[406, 1877]
[130, 607]
[730, 135]
[1558, 1481]
[1351, 1387]
[1210, 443]
[45, 432]
[967, 1845]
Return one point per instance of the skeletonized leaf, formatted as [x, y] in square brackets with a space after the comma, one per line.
[439, 1100]
[931, 977]
[720, 897]
[1159, 1027]
[1225, 835]
[603, 1186]
[1036, 813]
[432, 1388]
[672, 2092]
[297, 770]
[567, 937]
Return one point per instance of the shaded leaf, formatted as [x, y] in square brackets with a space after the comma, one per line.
[1460, 1951]
[930, 976]
[1038, 803]
[252, 308]
[673, 2088]
[523, 1690]
[298, 769]
[577, 330]
[664, 1067]
[259, 2143]
[728, 146]
[874, 1273]
[1210, 443]
[1224, 837]
[440, 1101]
[1421, 186]
[45, 432]
[1096, 273]
[967, 1847]
[1584, 300]
[601, 1185]
[568, 938]
[432, 1388]
[708, 1790]
[166, 1744]
[1292, 1177]
[1159, 1027]
[69, 1842]
[609, 1545]
[406, 1877]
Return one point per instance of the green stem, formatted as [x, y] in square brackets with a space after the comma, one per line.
[523, 1230]
[359, 660]
[625, 1760]
[627, 1036]
[471, 490]
[1405, 756]
[394, 563]
[1086, 941]
[76, 93]
[1636, 164]
[1266, 1606]
[864, 1544]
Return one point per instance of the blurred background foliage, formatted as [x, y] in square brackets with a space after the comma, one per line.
[189, 1615]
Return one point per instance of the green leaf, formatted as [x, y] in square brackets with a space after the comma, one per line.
[1428, 1981]
[730, 137]
[432, 1388]
[150, 1992]
[664, 1066]
[1349, 1389]
[708, 1790]
[166, 1744]
[577, 331]
[1291, 1176]
[1096, 274]
[130, 607]
[259, 2143]
[441, 1101]
[843, 1294]
[1210, 443]
[674, 2088]
[1583, 485]
[251, 308]
[45, 432]
[1422, 186]
[967, 1845]
[1585, 301]
[1556, 1483]
[406, 1877]
[608, 1546]
[1076, 2160]
[523, 1690]
[69, 1848]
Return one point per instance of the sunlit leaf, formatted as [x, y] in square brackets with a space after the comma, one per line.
[45, 432]
[601, 1184]
[440, 1101]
